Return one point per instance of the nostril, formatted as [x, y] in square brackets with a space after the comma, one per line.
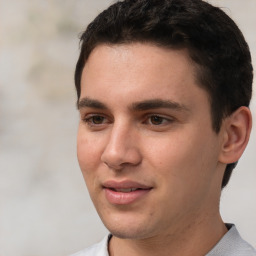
[114, 167]
[120, 153]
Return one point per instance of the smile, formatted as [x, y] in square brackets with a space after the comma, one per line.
[124, 193]
[124, 190]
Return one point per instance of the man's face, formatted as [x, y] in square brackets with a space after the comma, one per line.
[146, 146]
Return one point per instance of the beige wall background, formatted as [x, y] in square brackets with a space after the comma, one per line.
[44, 205]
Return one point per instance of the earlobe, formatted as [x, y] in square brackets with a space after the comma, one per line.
[237, 129]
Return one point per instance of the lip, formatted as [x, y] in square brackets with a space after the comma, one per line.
[124, 198]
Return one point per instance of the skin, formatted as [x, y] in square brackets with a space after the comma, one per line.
[170, 148]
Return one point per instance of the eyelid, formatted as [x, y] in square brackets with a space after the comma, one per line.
[87, 119]
[164, 117]
[92, 113]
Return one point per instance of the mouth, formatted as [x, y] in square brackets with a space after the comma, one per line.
[125, 192]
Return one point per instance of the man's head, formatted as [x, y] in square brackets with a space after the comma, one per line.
[214, 43]
[162, 93]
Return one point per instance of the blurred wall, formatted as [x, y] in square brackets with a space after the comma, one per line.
[44, 205]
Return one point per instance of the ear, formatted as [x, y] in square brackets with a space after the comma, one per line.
[237, 129]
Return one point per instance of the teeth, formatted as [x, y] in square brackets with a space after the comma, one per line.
[125, 190]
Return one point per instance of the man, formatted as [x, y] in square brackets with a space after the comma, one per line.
[163, 93]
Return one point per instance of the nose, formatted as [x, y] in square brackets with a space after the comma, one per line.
[122, 148]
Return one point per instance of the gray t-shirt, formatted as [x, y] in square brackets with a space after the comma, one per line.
[231, 244]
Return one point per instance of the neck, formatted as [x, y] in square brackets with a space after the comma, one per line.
[193, 239]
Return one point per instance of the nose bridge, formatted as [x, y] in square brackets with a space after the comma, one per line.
[121, 147]
[119, 136]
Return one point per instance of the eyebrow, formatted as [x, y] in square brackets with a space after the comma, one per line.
[136, 106]
[90, 103]
[158, 103]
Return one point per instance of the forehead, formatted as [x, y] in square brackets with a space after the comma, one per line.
[139, 53]
[139, 72]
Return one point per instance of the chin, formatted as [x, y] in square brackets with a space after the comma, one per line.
[129, 230]
[128, 233]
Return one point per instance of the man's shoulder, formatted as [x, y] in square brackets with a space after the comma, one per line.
[99, 249]
[232, 244]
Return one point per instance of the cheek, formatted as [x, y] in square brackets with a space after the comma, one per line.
[183, 171]
[88, 152]
[183, 157]
[169, 151]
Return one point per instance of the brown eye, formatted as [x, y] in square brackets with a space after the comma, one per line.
[97, 119]
[156, 120]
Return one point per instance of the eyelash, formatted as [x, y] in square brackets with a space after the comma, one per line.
[163, 120]
[89, 120]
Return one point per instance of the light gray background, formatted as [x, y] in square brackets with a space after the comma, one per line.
[44, 205]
